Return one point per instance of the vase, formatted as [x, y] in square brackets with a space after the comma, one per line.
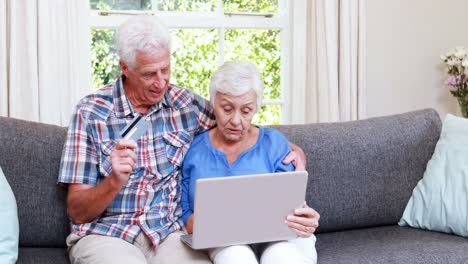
[463, 102]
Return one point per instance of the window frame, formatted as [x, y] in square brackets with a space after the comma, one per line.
[281, 20]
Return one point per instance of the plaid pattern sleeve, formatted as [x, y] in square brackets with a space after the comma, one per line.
[79, 157]
[204, 112]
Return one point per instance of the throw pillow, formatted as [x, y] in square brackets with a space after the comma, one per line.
[9, 227]
[440, 200]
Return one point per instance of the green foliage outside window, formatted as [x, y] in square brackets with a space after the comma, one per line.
[195, 52]
[250, 6]
[104, 57]
[194, 58]
[188, 5]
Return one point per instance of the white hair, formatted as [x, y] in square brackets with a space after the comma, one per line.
[237, 78]
[145, 34]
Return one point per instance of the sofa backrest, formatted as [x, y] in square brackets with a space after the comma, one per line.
[362, 173]
[30, 157]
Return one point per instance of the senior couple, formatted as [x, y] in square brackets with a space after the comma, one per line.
[125, 198]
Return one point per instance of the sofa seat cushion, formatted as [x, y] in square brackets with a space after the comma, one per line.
[42, 255]
[390, 244]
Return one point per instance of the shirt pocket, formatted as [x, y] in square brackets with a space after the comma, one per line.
[176, 146]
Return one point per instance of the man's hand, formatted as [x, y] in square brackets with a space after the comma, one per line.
[189, 224]
[123, 160]
[86, 202]
[296, 157]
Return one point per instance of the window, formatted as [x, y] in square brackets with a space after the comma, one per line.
[205, 34]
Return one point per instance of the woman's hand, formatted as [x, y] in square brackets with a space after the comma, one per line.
[189, 224]
[296, 157]
[304, 221]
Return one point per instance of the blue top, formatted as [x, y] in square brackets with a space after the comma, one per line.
[204, 161]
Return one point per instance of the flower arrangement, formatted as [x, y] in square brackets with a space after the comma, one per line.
[456, 61]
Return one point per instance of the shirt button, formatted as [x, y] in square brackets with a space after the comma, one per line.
[149, 188]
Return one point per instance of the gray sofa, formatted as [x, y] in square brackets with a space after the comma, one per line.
[362, 174]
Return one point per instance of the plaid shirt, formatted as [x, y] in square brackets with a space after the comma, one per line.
[149, 202]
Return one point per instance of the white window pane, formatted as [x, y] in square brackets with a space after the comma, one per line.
[250, 6]
[120, 4]
[195, 55]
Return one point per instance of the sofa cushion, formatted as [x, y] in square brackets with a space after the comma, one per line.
[9, 223]
[30, 157]
[440, 200]
[391, 244]
[362, 173]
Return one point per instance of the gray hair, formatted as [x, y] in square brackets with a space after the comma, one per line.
[145, 34]
[237, 78]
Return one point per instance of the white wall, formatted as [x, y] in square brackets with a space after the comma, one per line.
[404, 42]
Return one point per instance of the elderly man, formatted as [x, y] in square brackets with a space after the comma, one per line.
[123, 195]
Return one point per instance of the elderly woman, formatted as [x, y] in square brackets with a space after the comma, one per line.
[236, 147]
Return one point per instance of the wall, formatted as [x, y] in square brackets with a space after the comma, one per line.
[404, 42]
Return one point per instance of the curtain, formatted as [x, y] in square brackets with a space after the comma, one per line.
[335, 87]
[45, 57]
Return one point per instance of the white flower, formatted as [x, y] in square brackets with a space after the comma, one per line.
[465, 62]
[459, 52]
[450, 53]
[443, 57]
[452, 62]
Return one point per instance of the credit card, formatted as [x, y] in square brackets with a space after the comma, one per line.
[136, 128]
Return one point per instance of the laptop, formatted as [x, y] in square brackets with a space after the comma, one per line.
[245, 209]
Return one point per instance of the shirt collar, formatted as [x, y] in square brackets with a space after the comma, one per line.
[123, 107]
